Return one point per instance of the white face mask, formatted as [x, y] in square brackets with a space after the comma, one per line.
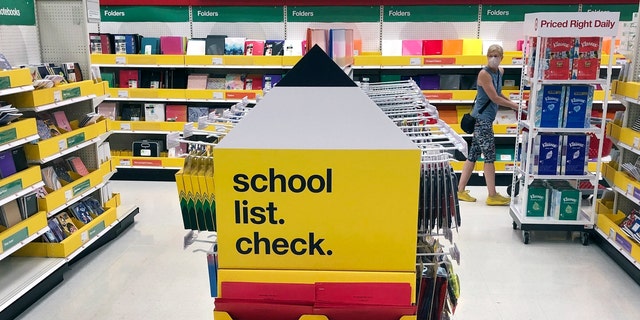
[494, 62]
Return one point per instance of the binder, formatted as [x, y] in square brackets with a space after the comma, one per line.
[254, 47]
[129, 78]
[234, 46]
[150, 45]
[131, 42]
[172, 45]
[214, 44]
[196, 47]
[274, 48]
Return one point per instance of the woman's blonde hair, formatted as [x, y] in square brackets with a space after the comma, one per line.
[495, 48]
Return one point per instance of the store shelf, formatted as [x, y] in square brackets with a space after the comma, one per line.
[74, 243]
[558, 176]
[22, 233]
[18, 133]
[627, 91]
[181, 95]
[20, 184]
[45, 99]
[535, 129]
[60, 104]
[58, 146]
[144, 127]
[71, 193]
[615, 236]
[148, 162]
[21, 274]
[138, 60]
[6, 92]
[531, 223]
[15, 81]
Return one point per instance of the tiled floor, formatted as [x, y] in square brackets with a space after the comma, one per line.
[145, 273]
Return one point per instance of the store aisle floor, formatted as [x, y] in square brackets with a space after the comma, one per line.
[145, 273]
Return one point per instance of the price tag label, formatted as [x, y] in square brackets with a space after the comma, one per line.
[509, 167]
[125, 126]
[621, 61]
[123, 94]
[216, 61]
[57, 96]
[62, 144]
[512, 130]
[218, 95]
[125, 162]
[629, 189]
[636, 142]
[68, 194]
[517, 61]
[612, 233]
[121, 60]
[505, 157]
[84, 236]
[415, 61]
[514, 96]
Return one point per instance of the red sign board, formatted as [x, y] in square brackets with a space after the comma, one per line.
[240, 94]
[146, 163]
[438, 95]
[439, 60]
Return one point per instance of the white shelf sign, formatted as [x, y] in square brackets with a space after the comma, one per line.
[121, 60]
[57, 96]
[218, 95]
[68, 195]
[415, 61]
[630, 189]
[84, 236]
[125, 126]
[62, 144]
[216, 61]
[125, 162]
[516, 61]
[123, 94]
[577, 24]
[636, 142]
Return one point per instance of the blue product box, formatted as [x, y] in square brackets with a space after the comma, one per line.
[576, 149]
[549, 106]
[577, 111]
[548, 154]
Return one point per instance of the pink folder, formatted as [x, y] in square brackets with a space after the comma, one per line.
[411, 47]
[172, 45]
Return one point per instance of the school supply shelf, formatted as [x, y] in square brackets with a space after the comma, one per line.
[561, 66]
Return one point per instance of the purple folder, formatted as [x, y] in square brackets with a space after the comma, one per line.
[7, 167]
[429, 82]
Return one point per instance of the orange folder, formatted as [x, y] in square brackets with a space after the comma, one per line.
[452, 47]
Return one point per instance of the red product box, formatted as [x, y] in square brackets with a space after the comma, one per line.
[586, 62]
[556, 64]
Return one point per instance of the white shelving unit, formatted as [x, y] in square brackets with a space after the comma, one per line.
[538, 26]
